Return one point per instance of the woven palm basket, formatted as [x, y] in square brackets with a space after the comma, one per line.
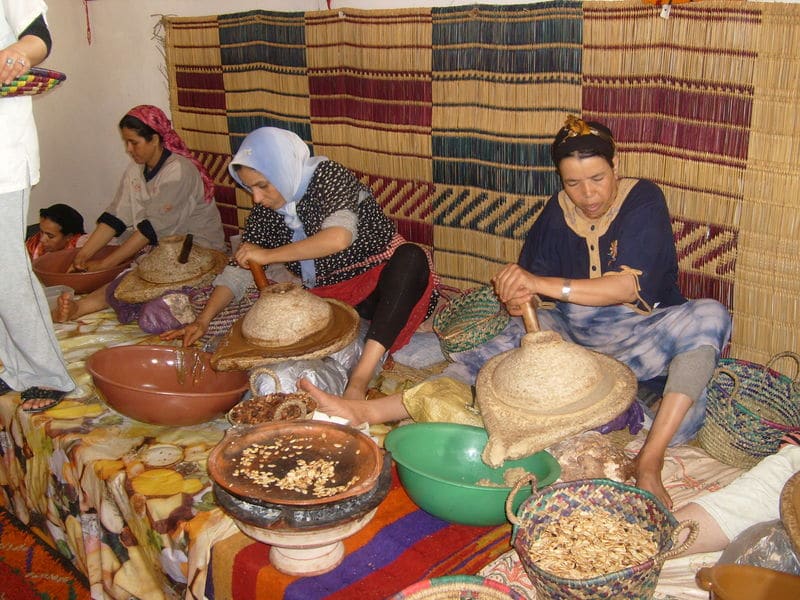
[35, 81]
[469, 320]
[601, 497]
[749, 408]
[455, 587]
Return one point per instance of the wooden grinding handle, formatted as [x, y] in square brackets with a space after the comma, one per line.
[183, 257]
[258, 276]
[529, 318]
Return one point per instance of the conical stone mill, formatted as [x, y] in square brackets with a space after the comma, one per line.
[545, 391]
[287, 322]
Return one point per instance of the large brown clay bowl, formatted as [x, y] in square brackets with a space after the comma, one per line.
[164, 385]
[51, 269]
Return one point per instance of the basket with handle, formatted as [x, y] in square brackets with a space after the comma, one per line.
[469, 319]
[640, 510]
[455, 587]
[749, 408]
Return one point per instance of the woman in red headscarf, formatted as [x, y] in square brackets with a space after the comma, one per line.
[165, 191]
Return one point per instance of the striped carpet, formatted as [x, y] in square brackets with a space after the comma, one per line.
[400, 546]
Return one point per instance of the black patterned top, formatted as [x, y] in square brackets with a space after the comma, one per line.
[333, 187]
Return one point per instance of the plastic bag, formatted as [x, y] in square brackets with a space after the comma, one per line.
[442, 400]
[325, 373]
[170, 311]
[763, 545]
[329, 373]
[127, 312]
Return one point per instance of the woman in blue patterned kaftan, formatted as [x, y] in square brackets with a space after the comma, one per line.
[602, 250]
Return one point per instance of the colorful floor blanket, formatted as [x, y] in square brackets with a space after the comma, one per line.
[30, 569]
[401, 545]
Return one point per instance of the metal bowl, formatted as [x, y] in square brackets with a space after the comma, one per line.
[51, 269]
[164, 385]
[440, 465]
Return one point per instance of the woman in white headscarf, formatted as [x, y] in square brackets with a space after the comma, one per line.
[314, 216]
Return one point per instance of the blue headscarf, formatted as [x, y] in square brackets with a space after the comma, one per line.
[285, 161]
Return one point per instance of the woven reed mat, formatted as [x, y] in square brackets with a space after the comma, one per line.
[447, 113]
[392, 97]
[30, 569]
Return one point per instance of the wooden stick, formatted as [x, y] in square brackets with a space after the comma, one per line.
[186, 248]
[258, 275]
[529, 318]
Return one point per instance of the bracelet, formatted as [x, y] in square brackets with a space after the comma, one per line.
[566, 290]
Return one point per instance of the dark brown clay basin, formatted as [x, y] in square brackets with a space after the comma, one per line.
[282, 447]
[164, 385]
[51, 269]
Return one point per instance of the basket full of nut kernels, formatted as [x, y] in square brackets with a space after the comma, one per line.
[595, 538]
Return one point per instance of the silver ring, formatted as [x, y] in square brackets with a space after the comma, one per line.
[9, 61]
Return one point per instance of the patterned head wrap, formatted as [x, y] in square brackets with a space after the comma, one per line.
[155, 118]
[584, 138]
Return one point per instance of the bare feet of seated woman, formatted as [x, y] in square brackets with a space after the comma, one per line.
[68, 308]
[35, 399]
[386, 409]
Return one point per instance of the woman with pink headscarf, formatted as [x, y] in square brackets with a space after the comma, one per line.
[165, 191]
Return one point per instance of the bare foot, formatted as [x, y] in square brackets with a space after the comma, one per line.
[37, 399]
[354, 393]
[357, 385]
[385, 409]
[66, 308]
[352, 410]
[648, 478]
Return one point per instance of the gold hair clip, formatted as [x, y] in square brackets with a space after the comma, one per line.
[577, 127]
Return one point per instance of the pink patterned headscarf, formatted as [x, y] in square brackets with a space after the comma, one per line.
[158, 121]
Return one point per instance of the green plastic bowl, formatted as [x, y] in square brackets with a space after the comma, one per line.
[439, 465]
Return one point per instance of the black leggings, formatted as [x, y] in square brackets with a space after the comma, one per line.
[400, 286]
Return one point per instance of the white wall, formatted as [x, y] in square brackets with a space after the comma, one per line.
[82, 156]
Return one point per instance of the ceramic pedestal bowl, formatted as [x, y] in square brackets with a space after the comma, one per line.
[164, 385]
[51, 269]
[440, 467]
[301, 487]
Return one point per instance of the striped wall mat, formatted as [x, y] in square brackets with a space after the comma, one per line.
[447, 114]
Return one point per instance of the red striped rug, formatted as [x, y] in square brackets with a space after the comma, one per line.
[30, 569]
[401, 545]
